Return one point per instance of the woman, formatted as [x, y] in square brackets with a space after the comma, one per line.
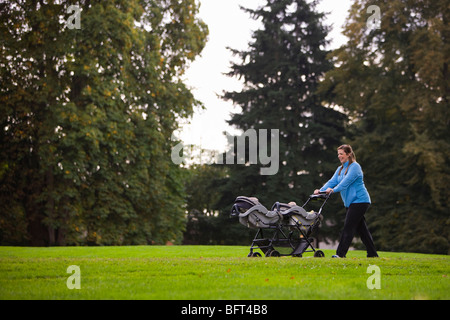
[348, 180]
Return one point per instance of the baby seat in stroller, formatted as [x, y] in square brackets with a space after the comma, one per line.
[253, 214]
[297, 216]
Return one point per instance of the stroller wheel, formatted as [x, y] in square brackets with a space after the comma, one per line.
[319, 254]
[274, 253]
[254, 254]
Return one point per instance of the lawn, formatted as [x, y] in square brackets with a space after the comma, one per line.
[215, 273]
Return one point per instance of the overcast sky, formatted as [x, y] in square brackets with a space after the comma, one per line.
[231, 27]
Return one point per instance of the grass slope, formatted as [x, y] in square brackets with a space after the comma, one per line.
[215, 272]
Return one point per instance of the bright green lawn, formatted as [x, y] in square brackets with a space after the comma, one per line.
[215, 272]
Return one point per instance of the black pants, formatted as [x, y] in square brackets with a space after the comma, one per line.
[355, 223]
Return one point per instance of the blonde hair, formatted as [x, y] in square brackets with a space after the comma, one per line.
[349, 151]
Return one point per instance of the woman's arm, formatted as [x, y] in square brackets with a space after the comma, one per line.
[332, 182]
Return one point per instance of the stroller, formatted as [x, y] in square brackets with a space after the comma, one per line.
[289, 226]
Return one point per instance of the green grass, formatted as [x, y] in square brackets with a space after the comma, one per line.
[215, 272]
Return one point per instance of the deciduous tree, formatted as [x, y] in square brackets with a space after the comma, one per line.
[86, 119]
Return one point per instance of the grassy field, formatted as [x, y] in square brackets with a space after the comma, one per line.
[215, 272]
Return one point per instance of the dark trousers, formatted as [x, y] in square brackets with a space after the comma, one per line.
[355, 223]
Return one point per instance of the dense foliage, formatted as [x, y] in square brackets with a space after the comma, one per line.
[86, 115]
[393, 82]
[91, 92]
[389, 83]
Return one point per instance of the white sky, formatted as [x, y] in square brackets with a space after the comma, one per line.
[231, 27]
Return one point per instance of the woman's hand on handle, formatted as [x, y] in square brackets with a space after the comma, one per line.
[328, 191]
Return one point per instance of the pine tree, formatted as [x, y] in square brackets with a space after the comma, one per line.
[281, 71]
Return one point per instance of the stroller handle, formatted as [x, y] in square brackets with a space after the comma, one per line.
[321, 195]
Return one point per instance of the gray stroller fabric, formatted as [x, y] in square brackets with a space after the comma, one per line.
[259, 217]
[253, 214]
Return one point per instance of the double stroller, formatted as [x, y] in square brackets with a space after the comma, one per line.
[285, 230]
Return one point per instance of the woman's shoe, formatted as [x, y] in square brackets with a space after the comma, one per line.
[335, 256]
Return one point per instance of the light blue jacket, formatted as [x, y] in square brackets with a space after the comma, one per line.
[350, 185]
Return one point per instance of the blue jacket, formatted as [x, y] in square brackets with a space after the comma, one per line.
[350, 185]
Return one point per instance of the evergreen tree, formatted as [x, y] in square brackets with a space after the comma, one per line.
[89, 99]
[281, 71]
[393, 82]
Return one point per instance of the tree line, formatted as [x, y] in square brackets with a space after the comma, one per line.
[85, 118]
[385, 92]
[87, 115]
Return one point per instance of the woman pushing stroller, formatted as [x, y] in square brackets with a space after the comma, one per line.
[348, 180]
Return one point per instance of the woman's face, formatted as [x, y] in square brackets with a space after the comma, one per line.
[343, 157]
